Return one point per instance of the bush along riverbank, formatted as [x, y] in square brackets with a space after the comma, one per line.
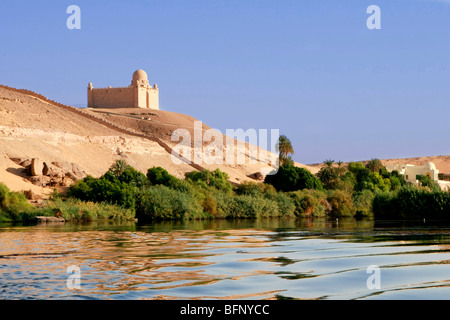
[14, 207]
[123, 193]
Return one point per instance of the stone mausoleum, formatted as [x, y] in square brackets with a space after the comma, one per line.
[137, 95]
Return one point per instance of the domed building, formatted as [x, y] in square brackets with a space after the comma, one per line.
[430, 166]
[140, 78]
[137, 95]
[411, 172]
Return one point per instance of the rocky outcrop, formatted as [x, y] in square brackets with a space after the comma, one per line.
[50, 174]
[37, 166]
[256, 176]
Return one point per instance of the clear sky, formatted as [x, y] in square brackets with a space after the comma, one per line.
[310, 68]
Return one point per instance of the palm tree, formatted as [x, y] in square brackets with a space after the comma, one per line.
[374, 165]
[340, 168]
[328, 174]
[119, 167]
[284, 147]
[329, 163]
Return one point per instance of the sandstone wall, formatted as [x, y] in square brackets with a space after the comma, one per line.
[124, 97]
[111, 98]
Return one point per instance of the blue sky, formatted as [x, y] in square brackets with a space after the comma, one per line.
[309, 68]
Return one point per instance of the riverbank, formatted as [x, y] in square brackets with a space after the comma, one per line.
[124, 193]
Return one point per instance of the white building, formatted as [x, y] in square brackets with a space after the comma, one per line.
[411, 172]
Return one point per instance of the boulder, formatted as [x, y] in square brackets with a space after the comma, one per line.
[51, 170]
[71, 176]
[40, 180]
[64, 166]
[65, 182]
[46, 170]
[31, 195]
[78, 171]
[37, 166]
[256, 176]
[17, 160]
[25, 163]
[72, 170]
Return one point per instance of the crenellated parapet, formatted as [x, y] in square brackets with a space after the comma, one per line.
[108, 88]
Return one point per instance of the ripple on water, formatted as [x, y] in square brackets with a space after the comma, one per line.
[303, 261]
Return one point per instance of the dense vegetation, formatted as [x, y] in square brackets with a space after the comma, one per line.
[337, 190]
[15, 207]
[201, 195]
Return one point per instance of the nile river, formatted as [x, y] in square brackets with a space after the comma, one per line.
[265, 259]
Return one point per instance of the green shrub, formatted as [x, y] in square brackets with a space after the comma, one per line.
[246, 206]
[133, 177]
[383, 205]
[341, 203]
[78, 210]
[4, 217]
[255, 189]
[426, 181]
[254, 207]
[291, 178]
[204, 196]
[310, 203]
[285, 203]
[368, 179]
[397, 180]
[105, 189]
[412, 203]
[209, 205]
[225, 204]
[14, 205]
[4, 192]
[160, 202]
[160, 176]
[205, 178]
[363, 201]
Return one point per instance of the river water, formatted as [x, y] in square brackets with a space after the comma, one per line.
[257, 259]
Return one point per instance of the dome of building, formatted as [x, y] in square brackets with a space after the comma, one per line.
[140, 75]
[430, 166]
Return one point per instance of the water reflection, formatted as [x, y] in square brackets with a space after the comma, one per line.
[221, 259]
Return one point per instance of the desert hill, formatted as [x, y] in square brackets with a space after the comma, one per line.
[442, 162]
[32, 126]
